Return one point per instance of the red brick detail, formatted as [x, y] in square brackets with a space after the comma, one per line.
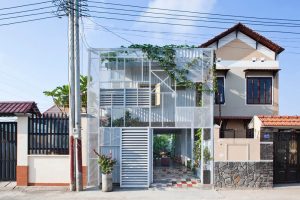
[190, 185]
[84, 175]
[22, 175]
[179, 185]
[194, 182]
[48, 184]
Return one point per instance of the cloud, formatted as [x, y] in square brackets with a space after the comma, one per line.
[189, 5]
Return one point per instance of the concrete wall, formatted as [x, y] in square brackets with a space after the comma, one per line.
[236, 149]
[45, 170]
[48, 170]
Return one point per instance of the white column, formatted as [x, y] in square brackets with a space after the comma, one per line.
[22, 141]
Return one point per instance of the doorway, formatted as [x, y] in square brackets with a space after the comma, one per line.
[172, 157]
[286, 157]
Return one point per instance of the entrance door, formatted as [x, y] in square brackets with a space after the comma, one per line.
[286, 159]
[8, 151]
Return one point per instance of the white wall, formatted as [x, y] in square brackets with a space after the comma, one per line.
[49, 169]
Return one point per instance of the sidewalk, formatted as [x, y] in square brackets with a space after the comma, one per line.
[60, 193]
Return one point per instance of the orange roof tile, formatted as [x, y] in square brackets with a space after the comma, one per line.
[280, 120]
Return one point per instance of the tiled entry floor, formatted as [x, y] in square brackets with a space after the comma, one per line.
[174, 176]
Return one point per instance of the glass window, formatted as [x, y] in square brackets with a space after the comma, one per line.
[259, 90]
[220, 94]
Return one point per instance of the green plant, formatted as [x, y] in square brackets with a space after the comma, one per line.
[197, 148]
[60, 94]
[106, 163]
[189, 164]
[162, 143]
[206, 155]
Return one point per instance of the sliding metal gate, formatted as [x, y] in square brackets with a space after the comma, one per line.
[135, 157]
[8, 151]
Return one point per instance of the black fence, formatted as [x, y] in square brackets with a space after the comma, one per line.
[48, 134]
[8, 151]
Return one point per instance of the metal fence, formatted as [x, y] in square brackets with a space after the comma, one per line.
[48, 134]
[8, 151]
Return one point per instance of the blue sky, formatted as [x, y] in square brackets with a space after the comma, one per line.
[34, 56]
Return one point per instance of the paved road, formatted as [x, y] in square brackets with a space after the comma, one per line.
[44, 193]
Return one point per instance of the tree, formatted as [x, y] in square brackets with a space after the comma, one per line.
[60, 94]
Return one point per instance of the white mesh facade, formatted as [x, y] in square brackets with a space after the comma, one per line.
[126, 89]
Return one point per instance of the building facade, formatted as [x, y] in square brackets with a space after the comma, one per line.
[131, 99]
[247, 69]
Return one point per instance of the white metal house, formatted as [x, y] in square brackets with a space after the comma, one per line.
[131, 98]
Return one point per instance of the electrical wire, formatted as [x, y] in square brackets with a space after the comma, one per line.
[24, 11]
[119, 36]
[29, 20]
[266, 23]
[25, 5]
[190, 25]
[194, 12]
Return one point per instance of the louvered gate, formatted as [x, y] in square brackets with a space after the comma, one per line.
[135, 157]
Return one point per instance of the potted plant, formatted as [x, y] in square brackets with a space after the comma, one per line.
[106, 164]
[197, 153]
[206, 172]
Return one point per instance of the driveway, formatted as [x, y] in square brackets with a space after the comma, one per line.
[36, 193]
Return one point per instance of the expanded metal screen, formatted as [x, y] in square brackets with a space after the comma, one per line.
[126, 89]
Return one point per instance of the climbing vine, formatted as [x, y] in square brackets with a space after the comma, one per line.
[166, 56]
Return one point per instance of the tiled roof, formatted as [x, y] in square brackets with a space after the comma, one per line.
[250, 33]
[280, 120]
[14, 107]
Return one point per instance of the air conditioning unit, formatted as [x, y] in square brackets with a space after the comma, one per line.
[262, 59]
[253, 59]
[219, 59]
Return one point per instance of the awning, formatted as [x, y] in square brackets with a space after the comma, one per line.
[274, 70]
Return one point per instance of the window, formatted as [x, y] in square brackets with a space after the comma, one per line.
[259, 90]
[220, 94]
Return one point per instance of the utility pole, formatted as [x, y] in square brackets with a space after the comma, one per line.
[71, 94]
[77, 130]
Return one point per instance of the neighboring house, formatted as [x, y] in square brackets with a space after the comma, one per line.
[279, 145]
[247, 75]
[131, 99]
[248, 84]
[56, 110]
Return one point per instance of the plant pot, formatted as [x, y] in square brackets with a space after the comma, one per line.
[107, 183]
[206, 176]
[197, 172]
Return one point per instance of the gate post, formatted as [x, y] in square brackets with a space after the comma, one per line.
[22, 150]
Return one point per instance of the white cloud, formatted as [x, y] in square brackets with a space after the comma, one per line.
[189, 5]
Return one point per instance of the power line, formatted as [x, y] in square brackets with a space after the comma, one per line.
[30, 20]
[267, 23]
[25, 5]
[29, 15]
[190, 25]
[194, 12]
[23, 11]
[111, 31]
[193, 20]
[192, 35]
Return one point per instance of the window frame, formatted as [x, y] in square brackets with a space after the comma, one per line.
[222, 103]
[259, 77]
